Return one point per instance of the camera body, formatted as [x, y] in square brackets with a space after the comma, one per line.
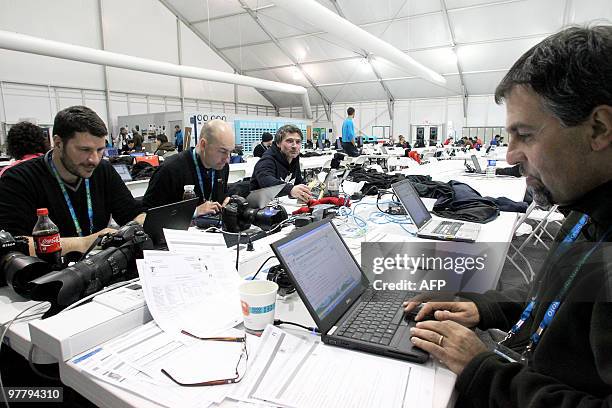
[114, 263]
[238, 216]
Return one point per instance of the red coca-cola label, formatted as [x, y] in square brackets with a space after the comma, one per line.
[47, 244]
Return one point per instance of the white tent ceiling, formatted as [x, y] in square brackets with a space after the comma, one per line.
[488, 37]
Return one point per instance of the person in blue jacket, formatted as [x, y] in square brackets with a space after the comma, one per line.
[178, 138]
[348, 134]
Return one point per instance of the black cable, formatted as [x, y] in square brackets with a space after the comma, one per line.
[278, 322]
[238, 251]
[262, 265]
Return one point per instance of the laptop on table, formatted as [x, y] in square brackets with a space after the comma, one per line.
[444, 229]
[262, 197]
[476, 165]
[346, 309]
[123, 171]
[173, 216]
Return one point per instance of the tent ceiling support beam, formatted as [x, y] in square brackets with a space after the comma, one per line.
[390, 97]
[449, 25]
[211, 45]
[286, 52]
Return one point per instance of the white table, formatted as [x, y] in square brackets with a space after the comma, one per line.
[103, 394]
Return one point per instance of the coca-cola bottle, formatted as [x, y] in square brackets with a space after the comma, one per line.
[46, 238]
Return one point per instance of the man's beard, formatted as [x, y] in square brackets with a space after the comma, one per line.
[541, 195]
[69, 166]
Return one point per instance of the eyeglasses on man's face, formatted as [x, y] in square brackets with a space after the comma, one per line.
[241, 365]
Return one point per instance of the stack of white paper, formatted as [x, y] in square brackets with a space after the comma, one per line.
[196, 293]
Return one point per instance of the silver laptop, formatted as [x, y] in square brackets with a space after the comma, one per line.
[444, 229]
[476, 163]
[339, 297]
[262, 197]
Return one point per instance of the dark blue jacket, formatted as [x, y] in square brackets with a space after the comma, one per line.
[273, 169]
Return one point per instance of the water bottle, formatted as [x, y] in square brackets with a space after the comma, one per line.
[490, 171]
[189, 192]
[46, 238]
[333, 185]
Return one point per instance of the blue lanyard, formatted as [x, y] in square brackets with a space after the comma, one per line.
[200, 178]
[554, 306]
[77, 225]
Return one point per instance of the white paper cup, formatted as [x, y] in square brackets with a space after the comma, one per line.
[258, 300]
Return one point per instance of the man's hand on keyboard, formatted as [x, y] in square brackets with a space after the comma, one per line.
[464, 313]
[449, 342]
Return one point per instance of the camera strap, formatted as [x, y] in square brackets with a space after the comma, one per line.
[75, 220]
[201, 179]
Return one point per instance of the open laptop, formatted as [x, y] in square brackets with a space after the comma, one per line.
[173, 216]
[123, 171]
[444, 229]
[346, 309]
[262, 197]
[476, 165]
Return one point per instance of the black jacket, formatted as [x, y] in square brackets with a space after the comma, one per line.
[168, 182]
[273, 168]
[572, 365]
[259, 150]
[165, 148]
[32, 185]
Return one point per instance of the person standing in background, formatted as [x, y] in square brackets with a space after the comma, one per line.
[178, 138]
[348, 134]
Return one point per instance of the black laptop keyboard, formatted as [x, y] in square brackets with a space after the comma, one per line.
[448, 228]
[376, 318]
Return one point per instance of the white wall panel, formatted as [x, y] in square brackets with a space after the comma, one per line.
[419, 88]
[242, 30]
[418, 32]
[483, 83]
[41, 19]
[69, 97]
[250, 95]
[478, 112]
[138, 104]
[364, 11]
[497, 55]
[27, 102]
[196, 53]
[144, 29]
[282, 23]
[596, 10]
[472, 24]
[441, 60]
[257, 56]
[317, 48]
[340, 71]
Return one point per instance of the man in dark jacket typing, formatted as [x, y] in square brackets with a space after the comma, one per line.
[555, 351]
[280, 164]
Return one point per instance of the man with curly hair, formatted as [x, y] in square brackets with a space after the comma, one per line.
[25, 141]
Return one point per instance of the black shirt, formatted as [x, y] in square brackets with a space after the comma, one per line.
[259, 150]
[32, 185]
[167, 183]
